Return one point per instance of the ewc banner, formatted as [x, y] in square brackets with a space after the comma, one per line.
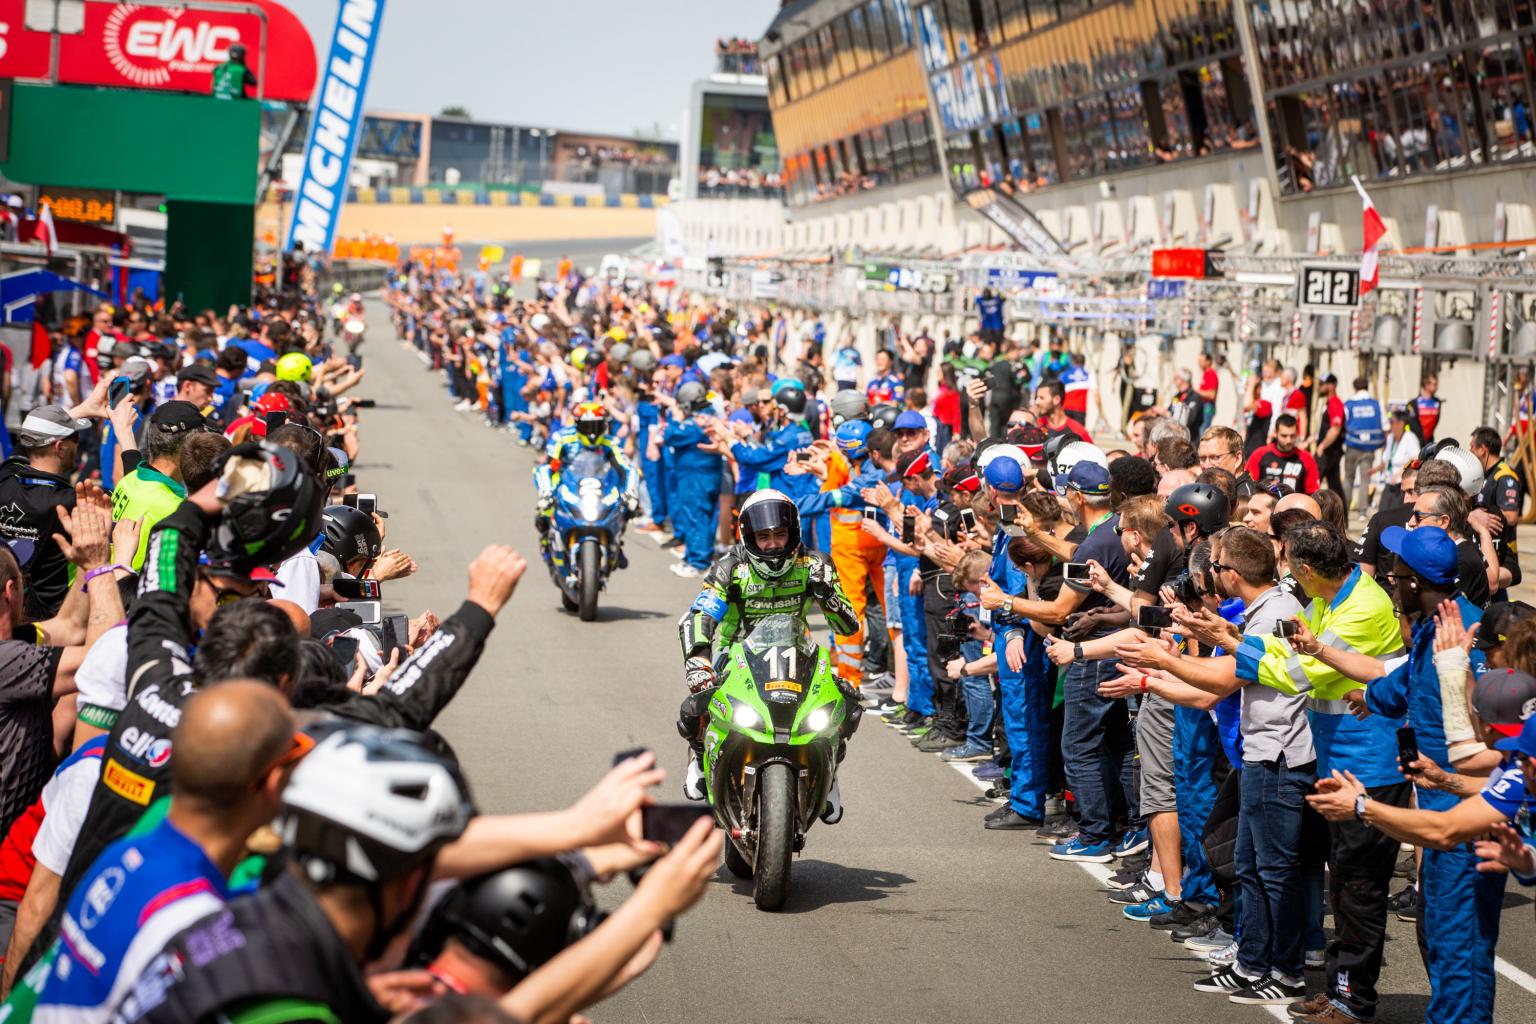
[336, 120]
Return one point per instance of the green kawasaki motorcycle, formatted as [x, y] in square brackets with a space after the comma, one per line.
[770, 750]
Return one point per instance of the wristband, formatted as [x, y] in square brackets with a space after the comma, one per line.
[1143, 682]
[103, 570]
[1077, 652]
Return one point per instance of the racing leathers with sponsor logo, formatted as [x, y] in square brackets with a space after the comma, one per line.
[136, 766]
[734, 597]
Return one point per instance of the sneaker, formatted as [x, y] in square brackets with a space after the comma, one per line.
[693, 778]
[1225, 980]
[1329, 1013]
[889, 707]
[1405, 904]
[1079, 851]
[1317, 959]
[937, 741]
[1205, 924]
[910, 720]
[1215, 942]
[1157, 906]
[1009, 821]
[684, 570]
[1134, 841]
[1125, 878]
[882, 683]
[967, 752]
[989, 771]
[1270, 991]
[1180, 915]
[997, 791]
[1315, 1003]
[998, 812]
[1063, 827]
[1223, 957]
[671, 542]
[1132, 895]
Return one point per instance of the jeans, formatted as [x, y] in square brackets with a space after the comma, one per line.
[1357, 478]
[977, 691]
[1272, 916]
[1099, 750]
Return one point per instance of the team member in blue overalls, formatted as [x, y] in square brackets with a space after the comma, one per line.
[1458, 905]
[695, 503]
[648, 416]
[784, 434]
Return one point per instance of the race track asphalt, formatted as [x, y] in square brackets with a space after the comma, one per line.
[905, 911]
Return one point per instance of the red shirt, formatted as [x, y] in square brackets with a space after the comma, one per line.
[1209, 381]
[1069, 425]
[1295, 468]
[946, 409]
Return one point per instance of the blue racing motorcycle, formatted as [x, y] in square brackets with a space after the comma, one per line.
[583, 544]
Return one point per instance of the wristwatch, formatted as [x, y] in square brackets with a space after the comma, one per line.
[1360, 807]
[1077, 652]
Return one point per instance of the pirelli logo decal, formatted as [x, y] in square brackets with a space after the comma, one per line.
[129, 785]
[783, 684]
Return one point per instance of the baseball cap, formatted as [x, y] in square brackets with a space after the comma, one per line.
[751, 396]
[1089, 478]
[741, 416]
[1029, 438]
[674, 360]
[1504, 698]
[135, 368]
[1005, 475]
[48, 424]
[1498, 619]
[177, 417]
[1428, 551]
[914, 464]
[202, 373]
[1524, 743]
[910, 420]
[1332, 378]
[962, 478]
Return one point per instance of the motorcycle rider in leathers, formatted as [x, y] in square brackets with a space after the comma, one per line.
[767, 573]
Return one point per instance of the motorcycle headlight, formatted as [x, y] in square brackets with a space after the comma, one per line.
[747, 718]
[591, 507]
[818, 720]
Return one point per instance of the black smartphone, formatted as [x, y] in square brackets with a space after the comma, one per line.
[1008, 513]
[1407, 748]
[119, 389]
[666, 823]
[345, 649]
[625, 755]
[350, 588]
[1154, 616]
[968, 520]
[802, 456]
[1077, 572]
[1287, 628]
[909, 529]
[396, 630]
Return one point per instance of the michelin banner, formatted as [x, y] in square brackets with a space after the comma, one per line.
[336, 121]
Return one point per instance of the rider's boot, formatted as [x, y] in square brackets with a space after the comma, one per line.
[693, 778]
[832, 813]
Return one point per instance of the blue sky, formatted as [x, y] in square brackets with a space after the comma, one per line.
[587, 65]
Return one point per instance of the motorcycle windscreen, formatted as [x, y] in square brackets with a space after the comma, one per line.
[782, 660]
[590, 465]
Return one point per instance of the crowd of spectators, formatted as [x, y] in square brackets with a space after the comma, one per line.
[221, 794]
[736, 56]
[739, 181]
[1168, 655]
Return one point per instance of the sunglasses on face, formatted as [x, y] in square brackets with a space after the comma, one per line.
[1418, 516]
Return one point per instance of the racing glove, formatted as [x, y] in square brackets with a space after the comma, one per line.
[699, 674]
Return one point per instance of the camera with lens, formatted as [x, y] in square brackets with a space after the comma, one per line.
[1187, 588]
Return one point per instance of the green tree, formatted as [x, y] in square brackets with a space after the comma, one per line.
[454, 111]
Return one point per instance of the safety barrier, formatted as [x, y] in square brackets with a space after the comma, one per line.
[402, 196]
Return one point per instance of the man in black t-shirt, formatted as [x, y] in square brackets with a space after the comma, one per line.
[34, 485]
[1500, 501]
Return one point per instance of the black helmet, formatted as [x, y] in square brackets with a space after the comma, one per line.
[370, 804]
[692, 396]
[237, 51]
[792, 400]
[848, 405]
[350, 534]
[1202, 504]
[518, 918]
[267, 525]
[769, 510]
[884, 416]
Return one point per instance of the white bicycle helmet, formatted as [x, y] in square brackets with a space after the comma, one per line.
[1069, 456]
[1469, 466]
[370, 804]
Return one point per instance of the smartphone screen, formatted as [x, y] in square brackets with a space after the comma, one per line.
[1152, 616]
[967, 519]
[396, 629]
[871, 513]
[367, 503]
[1008, 513]
[908, 529]
[369, 611]
[1286, 628]
[666, 823]
[345, 649]
[1407, 748]
[1077, 572]
[118, 390]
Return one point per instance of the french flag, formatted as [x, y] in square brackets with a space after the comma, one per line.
[1375, 231]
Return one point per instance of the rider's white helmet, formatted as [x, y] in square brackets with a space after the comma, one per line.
[769, 510]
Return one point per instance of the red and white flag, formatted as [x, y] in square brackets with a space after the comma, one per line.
[44, 231]
[1375, 231]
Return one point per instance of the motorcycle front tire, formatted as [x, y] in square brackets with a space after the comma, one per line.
[590, 563]
[776, 826]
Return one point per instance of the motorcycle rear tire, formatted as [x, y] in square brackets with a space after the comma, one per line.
[591, 579]
[776, 827]
[736, 862]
